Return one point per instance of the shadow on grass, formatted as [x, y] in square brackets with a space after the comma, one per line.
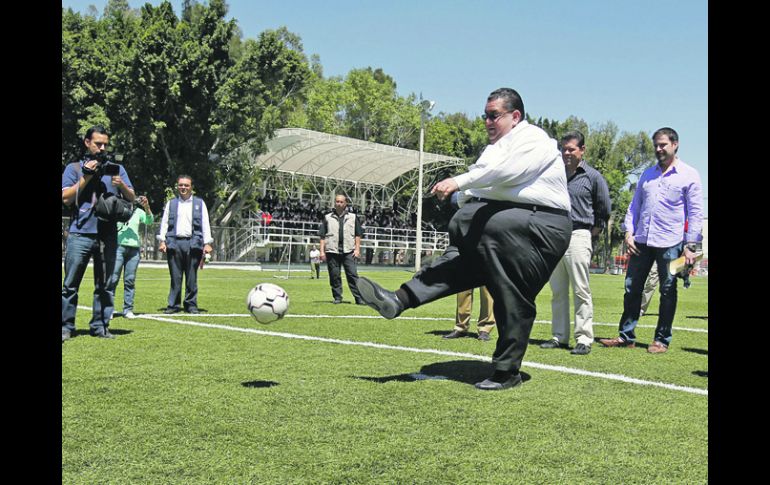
[447, 332]
[114, 331]
[259, 384]
[696, 351]
[464, 371]
[179, 312]
[699, 318]
[701, 373]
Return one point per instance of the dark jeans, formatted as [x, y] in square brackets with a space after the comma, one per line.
[638, 268]
[183, 261]
[127, 257]
[347, 261]
[80, 249]
[511, 251]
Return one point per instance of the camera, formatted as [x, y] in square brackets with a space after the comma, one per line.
[107, 165]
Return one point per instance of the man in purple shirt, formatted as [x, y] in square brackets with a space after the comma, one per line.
[666, 196]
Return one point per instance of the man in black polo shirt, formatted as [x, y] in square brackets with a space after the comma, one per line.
[589, 198]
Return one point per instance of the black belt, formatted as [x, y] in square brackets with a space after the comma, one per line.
[180, 237]
[581, 225]
[523, 205]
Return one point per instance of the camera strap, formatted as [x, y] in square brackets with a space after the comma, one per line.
[76, 205]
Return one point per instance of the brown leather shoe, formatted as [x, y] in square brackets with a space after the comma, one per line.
[455, 334]
[657, 348]
[616, 342]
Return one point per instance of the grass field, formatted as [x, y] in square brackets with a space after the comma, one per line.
[219, 398]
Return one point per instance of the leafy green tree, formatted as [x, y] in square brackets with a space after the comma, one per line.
[178, 95]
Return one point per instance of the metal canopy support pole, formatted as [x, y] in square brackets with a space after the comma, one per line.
[425, 106]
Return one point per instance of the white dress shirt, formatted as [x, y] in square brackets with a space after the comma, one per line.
[184, 220]
[525, 166]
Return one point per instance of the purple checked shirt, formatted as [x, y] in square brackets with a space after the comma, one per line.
[662, 203]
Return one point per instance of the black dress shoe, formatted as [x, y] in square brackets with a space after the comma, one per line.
[194, 311]
[360, 302]
[337, 302]
[455, 334]
[65, 335]
[169, 311]
[384, 301]
[105, 334]
[490, 385]
[553, 344]
[483, 336]
[581, 349]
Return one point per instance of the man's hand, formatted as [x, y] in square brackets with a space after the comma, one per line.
[689, 256]
[356, 253]
[632, 249]
[207, 249]
[89, 168]
[323, 256]
[117, 181]
[162, 247]
[444, 189]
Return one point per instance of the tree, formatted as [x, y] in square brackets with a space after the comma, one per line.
[177, 95]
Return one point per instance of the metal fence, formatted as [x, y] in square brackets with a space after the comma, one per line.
[283, 240]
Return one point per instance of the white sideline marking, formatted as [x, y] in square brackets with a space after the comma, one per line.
[684, 329]
[558, 368]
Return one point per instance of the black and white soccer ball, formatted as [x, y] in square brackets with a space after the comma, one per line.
[267, 302]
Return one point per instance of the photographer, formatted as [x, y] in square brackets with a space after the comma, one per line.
[82, 184]
[129, 242]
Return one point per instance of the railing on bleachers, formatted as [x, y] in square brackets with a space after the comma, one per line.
[257, 242]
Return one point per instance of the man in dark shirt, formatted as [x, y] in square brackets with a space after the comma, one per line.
[590, 201]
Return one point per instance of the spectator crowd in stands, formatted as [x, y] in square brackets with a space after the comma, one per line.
[312, 210]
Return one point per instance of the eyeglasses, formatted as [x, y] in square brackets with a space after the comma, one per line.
[493, 116]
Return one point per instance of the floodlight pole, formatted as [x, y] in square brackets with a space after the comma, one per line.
[425, 106]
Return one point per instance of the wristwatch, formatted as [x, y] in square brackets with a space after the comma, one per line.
[692, 247]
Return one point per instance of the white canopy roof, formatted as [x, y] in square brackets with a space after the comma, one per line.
[317, 154]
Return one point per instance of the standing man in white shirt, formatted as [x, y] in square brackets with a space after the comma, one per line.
[512, 229]
[315, 263]
[185, 236]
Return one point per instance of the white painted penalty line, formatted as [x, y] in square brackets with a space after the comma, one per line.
[558, 368]
[685, 329]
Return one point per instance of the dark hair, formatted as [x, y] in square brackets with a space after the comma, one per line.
[574, 135]
[670, 133]
[95, 129]
[185, 176]
[511, 100]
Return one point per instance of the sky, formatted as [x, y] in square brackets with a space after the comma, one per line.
[641, 65]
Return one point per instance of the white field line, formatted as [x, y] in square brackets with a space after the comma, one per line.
[435, 319]
[557, 368]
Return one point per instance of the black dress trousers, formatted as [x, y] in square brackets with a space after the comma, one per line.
[510, 250]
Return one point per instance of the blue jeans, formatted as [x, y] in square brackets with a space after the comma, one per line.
[638, 268]
[80, 249]
[127, 257]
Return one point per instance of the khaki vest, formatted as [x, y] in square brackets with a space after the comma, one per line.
[333, 231]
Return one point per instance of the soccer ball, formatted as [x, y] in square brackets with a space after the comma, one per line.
[267, 302]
